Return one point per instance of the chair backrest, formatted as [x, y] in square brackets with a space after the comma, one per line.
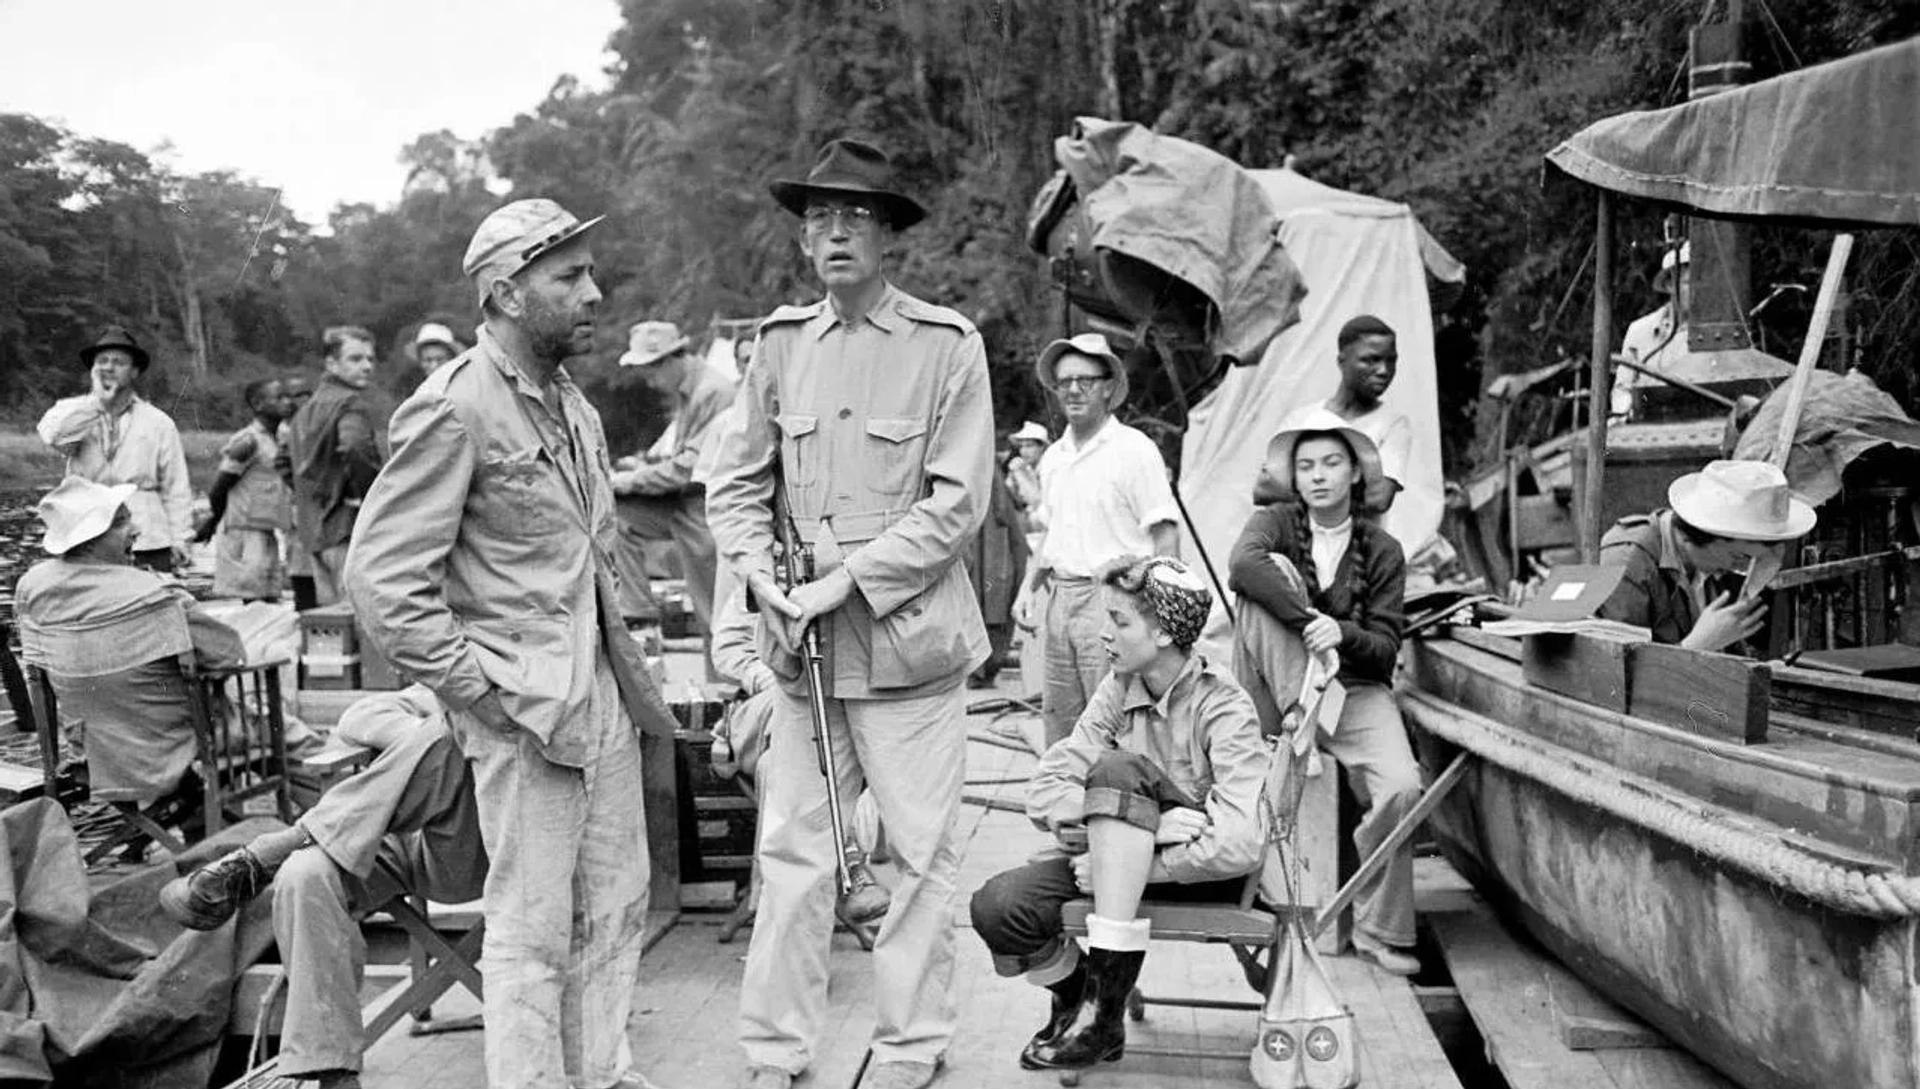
[238, 711]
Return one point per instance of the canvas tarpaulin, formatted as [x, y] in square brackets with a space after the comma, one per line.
[1190, 212]
[97, 988]
[1838, 141]
[1358, 255]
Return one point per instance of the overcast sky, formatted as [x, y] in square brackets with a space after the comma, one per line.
[316, 97]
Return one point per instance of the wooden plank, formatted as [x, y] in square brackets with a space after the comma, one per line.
[1586, 1021]
[1502, 645]
[1717, 695]
[1591, 668]
[1506, 994]
[1398, 1047]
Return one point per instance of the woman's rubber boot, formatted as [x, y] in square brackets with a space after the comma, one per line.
[1066, 996]
[1098, 1031]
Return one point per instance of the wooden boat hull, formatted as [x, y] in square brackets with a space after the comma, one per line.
[1775, 989]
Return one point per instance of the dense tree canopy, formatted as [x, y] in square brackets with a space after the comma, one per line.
[1447, 105]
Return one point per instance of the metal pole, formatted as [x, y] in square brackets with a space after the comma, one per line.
[1598, 400]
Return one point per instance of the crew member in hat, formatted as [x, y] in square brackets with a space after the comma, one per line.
[111, 435]
[434, 346]
[867, 418]
[481, 567]
[1023, 468]
[1319, 576]
[1103, 494]
[1659, 335]
[1717, 522]
[663, 492]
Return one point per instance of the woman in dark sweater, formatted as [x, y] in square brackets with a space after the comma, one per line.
[1317, 576]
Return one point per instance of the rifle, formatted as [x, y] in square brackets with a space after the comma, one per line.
[862, 899]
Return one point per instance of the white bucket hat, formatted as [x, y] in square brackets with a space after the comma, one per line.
[1276, 473]
[435, 333]
[78, 510]
[1742, 500]
[1091, 345]
[1031, 432]
[651, 341]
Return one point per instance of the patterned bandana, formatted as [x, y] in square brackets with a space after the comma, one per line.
[1179, 600]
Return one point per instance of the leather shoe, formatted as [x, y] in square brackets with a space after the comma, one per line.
[214, 893]
[900, 1075]
[767, 1077]
[1385, 957]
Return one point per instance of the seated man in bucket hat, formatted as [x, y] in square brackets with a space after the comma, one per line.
[1718, 521]
[663, 495]
[111, 435]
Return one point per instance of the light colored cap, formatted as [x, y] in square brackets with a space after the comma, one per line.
[1031, 432]
[78, 510]
[1092, 345]
[435, 333]
[651, 341]
[516, 235]
[1742, 500]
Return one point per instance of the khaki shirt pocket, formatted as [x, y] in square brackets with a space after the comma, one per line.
[800, 453]
[520, 493]
[896, 448]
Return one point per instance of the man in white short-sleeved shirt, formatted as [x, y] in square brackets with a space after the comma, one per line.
[1103, 495]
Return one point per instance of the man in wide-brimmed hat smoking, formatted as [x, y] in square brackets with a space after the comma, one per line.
[867, 418]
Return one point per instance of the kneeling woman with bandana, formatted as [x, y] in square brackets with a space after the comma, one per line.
[1155, 794]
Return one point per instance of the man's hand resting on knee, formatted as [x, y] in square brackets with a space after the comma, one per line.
[1179, 826]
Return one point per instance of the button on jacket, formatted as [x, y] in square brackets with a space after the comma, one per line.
[883, 432]
[482, 555]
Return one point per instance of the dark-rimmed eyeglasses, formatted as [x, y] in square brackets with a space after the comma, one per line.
[1082, 383]
[851, 218]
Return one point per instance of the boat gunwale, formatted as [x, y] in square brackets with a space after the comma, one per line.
[1506, 671]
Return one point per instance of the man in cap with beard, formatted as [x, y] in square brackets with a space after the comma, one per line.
[481, 565]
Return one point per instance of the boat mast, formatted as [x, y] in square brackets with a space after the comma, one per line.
[1599, 393]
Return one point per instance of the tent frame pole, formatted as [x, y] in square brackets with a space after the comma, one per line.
[1599, 384]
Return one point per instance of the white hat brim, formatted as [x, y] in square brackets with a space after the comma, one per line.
[93, 523]
[1379, 490]
[1683, 497]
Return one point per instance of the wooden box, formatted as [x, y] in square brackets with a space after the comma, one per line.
[1589, 667]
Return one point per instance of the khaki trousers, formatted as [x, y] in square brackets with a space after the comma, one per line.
[566, 898]
[406, 823]
[1370, 742]
[328, 566]
[911, 754]
[1076, 656]
[676, 520]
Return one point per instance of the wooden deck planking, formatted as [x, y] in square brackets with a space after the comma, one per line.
[1398, 1049]
[1508, 987]
[685, 1022]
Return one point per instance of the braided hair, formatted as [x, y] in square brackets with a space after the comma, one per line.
[1297, 542]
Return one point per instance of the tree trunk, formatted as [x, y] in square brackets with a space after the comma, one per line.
[1109, 17]
[192, 317]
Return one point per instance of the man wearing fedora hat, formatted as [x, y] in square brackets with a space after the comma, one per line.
[866, 419]
[663, 494]
[1717, 522]
[111, 435]
[482, 566]
[1103, 494]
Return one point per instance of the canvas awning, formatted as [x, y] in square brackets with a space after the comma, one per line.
[1838, 142]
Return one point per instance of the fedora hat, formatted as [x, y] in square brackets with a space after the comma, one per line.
[77, 510]
[851, 168]
[516, 235]
[1276, 473]
[115, 336]
[1741, 500]
[1091, 345]
[1031, 432]
[651, 341]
